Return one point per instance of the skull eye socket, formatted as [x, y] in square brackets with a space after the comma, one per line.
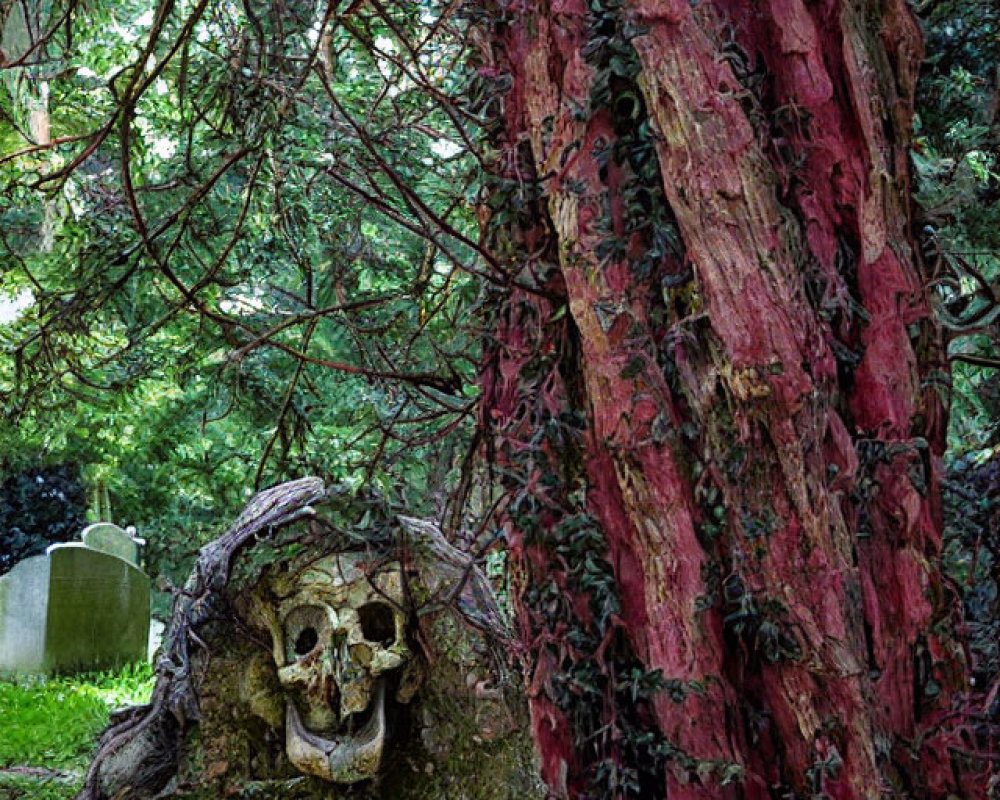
[378, 623]
[304, 627]
[306, 641]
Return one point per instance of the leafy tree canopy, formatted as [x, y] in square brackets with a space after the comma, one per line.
[247, 235]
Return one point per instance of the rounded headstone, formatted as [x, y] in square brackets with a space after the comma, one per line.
[109, 538]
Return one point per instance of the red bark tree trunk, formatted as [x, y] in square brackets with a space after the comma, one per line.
[720, 417]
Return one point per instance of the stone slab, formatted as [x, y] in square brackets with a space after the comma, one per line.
[156, 629]
[24, 599]
[98, 610]
[109, 538]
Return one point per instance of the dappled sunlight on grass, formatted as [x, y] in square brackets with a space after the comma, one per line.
[52, 724]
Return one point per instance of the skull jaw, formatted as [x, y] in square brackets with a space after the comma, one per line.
[343, 759]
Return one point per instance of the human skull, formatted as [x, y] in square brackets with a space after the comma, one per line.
[339, 645]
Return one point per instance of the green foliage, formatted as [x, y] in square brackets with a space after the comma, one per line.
[972, 552]
[616, 93]
[598, 682]
[250, 254]
[38, 787]
[760, 624]
[51, 724]
[957, 160]
[38, 506]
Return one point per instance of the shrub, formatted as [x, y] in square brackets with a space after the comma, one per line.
[39, 506]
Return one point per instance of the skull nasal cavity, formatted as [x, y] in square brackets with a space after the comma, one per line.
[306, 641]
[378, 623]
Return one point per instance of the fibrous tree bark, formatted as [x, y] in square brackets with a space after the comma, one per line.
[720, 418]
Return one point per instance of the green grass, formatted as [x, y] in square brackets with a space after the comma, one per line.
[53, 723]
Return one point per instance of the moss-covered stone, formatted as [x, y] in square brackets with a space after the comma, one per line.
[263, 606]
[463, 735]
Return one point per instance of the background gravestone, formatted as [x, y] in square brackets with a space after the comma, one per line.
[24, 599]
[98, 609]
[109, 538]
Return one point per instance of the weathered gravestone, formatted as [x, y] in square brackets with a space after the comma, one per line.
[109, 538]
[327, 648]
[75, 608]
[24, 606]
[98, 614]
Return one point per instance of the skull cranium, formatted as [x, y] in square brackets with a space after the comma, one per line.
[339, 645]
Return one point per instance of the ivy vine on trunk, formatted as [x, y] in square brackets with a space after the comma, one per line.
[719, 419]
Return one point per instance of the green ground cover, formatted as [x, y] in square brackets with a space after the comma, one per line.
[49, 726]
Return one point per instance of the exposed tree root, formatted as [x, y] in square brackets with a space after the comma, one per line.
[137, 754]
